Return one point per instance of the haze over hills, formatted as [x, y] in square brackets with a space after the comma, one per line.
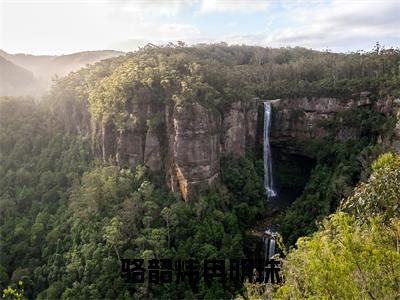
[23, 74]
[219, 149]
[15, 80]
[160, 153]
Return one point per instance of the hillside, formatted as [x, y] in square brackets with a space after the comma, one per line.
[356, 248]
[159, 154]
[15, 80]
[47, 67]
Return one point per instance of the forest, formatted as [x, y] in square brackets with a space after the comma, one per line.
[69, 213]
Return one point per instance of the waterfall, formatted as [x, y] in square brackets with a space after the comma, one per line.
[269, 244]
[268, 180]
[269, 249]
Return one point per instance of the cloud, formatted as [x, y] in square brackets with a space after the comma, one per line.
[233, 5]
[60, 26]
[339, 25]
[336, 25]
[255, 39]
[154, 7]
[176, 30]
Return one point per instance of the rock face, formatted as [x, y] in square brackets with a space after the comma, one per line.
[200, 136]
[391, 106]
[240, 127]
[184, 142]
[152, 151]
[234, 130]
[195, 148]
[298, 121]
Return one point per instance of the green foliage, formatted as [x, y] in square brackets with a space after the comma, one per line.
[357, 252]
[11, 293]
[380, 195]
[39, 165]
[339, 167]
[345, 260]
[215, 76]
[66, 220]
[353, 255]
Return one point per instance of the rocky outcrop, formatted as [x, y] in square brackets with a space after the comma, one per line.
[152, 151]
[251, 122]
[240, 127]
[184, 142]
[234, 130]
[195, 148]
[391, 106]
[299, 121]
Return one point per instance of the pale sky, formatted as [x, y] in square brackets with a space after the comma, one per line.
[66, 26]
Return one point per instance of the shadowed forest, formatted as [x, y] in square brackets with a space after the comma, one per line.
[72, 207]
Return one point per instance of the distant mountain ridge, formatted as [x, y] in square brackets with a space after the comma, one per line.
[43, 68]
[15, 80]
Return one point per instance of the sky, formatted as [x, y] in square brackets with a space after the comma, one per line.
[66, 26]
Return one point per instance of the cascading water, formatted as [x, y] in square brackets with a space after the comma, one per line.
[268, 237]
[269, 244]
[269, 249]
[268, 180]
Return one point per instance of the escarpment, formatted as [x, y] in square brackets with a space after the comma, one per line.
[194, 144]
[179, 110]
[299, 121]
[184, 142]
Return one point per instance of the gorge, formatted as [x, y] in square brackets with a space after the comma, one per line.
[181, 130]
[166, 152]
[188, 140]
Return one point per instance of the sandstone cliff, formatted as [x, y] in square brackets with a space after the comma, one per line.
[183, 141]
[299, 121]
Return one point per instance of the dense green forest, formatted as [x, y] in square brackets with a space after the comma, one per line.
[355, 252]
[68, 216]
